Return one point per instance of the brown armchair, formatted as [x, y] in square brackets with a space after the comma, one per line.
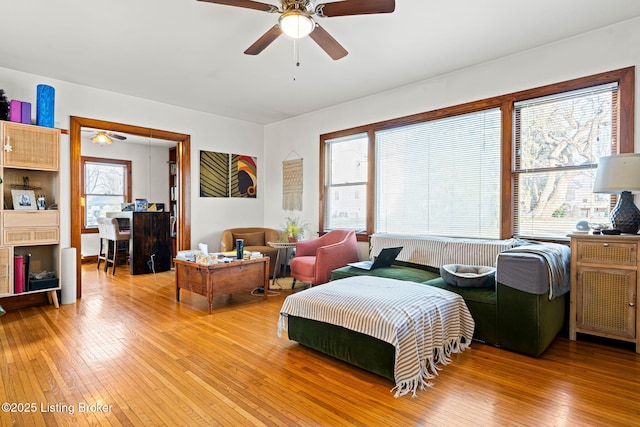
[255, 240]
[315, 259]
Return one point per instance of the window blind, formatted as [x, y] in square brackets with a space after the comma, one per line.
[440, 177]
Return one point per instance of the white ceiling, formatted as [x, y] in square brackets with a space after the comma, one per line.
[190, 53]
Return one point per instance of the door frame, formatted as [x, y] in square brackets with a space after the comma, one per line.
[183, 159]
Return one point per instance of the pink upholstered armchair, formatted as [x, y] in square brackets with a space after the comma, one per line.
[315, 259]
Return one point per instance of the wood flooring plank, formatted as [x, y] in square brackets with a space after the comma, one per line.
[131, 395]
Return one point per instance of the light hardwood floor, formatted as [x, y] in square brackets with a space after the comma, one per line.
[128, 347]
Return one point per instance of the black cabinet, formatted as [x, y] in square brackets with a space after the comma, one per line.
[151, 242]
[150, 245]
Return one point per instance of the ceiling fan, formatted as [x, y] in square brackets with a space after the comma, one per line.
[104, 137]
[296, 20]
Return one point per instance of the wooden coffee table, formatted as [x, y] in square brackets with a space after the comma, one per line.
[222, 278]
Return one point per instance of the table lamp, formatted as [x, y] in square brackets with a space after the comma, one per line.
[620, 174]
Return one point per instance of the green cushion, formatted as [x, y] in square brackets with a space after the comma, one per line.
[482, 306]
[398, 272]
[481, 295]
[528, 322]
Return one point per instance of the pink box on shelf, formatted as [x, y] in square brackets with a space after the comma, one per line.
[26, 112]
[18, 275]
[15, 111]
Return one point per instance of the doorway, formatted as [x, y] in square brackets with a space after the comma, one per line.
[183, 160]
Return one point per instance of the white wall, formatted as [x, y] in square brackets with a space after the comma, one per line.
[606, 49]
[209, 216]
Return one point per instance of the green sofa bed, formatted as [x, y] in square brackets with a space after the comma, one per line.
[515, 312]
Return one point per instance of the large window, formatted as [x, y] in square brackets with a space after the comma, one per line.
[558, 142]
[520, 164]
[106, 185]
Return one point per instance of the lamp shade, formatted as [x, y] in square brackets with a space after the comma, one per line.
[101, 138]
[621, 174]
[618, 173]
[296, 24]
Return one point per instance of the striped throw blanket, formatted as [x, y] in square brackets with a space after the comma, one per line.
[436, 251]
[425, 324]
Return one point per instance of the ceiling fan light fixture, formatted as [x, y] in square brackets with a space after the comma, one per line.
[101, 138]
[296, 24]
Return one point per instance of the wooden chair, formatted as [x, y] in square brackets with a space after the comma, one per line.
[109, 231]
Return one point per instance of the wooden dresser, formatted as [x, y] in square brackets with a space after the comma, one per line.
[604, 287]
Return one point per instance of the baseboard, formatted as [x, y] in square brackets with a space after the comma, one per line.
[21, 301]
[89, 259]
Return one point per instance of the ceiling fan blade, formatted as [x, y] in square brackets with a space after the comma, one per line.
[328, 43]
[116, 136]
[264, 41]
[248, 4]
[355, 7]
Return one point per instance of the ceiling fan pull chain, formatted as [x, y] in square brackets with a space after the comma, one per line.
[296, 57]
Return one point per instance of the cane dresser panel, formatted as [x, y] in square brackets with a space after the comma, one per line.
[39, 236]
[5, 283]
[607, 252]
[605, 301]
[604, 287]
[33, 147]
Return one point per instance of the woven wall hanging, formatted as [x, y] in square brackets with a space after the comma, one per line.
[292, 185]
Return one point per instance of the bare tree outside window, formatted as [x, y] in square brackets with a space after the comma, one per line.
[105, 188]
[559, 142]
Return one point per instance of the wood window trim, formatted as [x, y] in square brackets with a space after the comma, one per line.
[624, 128]
[625, 78]
[128, 189]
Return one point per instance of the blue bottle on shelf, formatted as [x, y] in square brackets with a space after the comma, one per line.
[45, 102]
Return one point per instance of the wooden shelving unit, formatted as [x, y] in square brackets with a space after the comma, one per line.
[173, 199]
[30, 170]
